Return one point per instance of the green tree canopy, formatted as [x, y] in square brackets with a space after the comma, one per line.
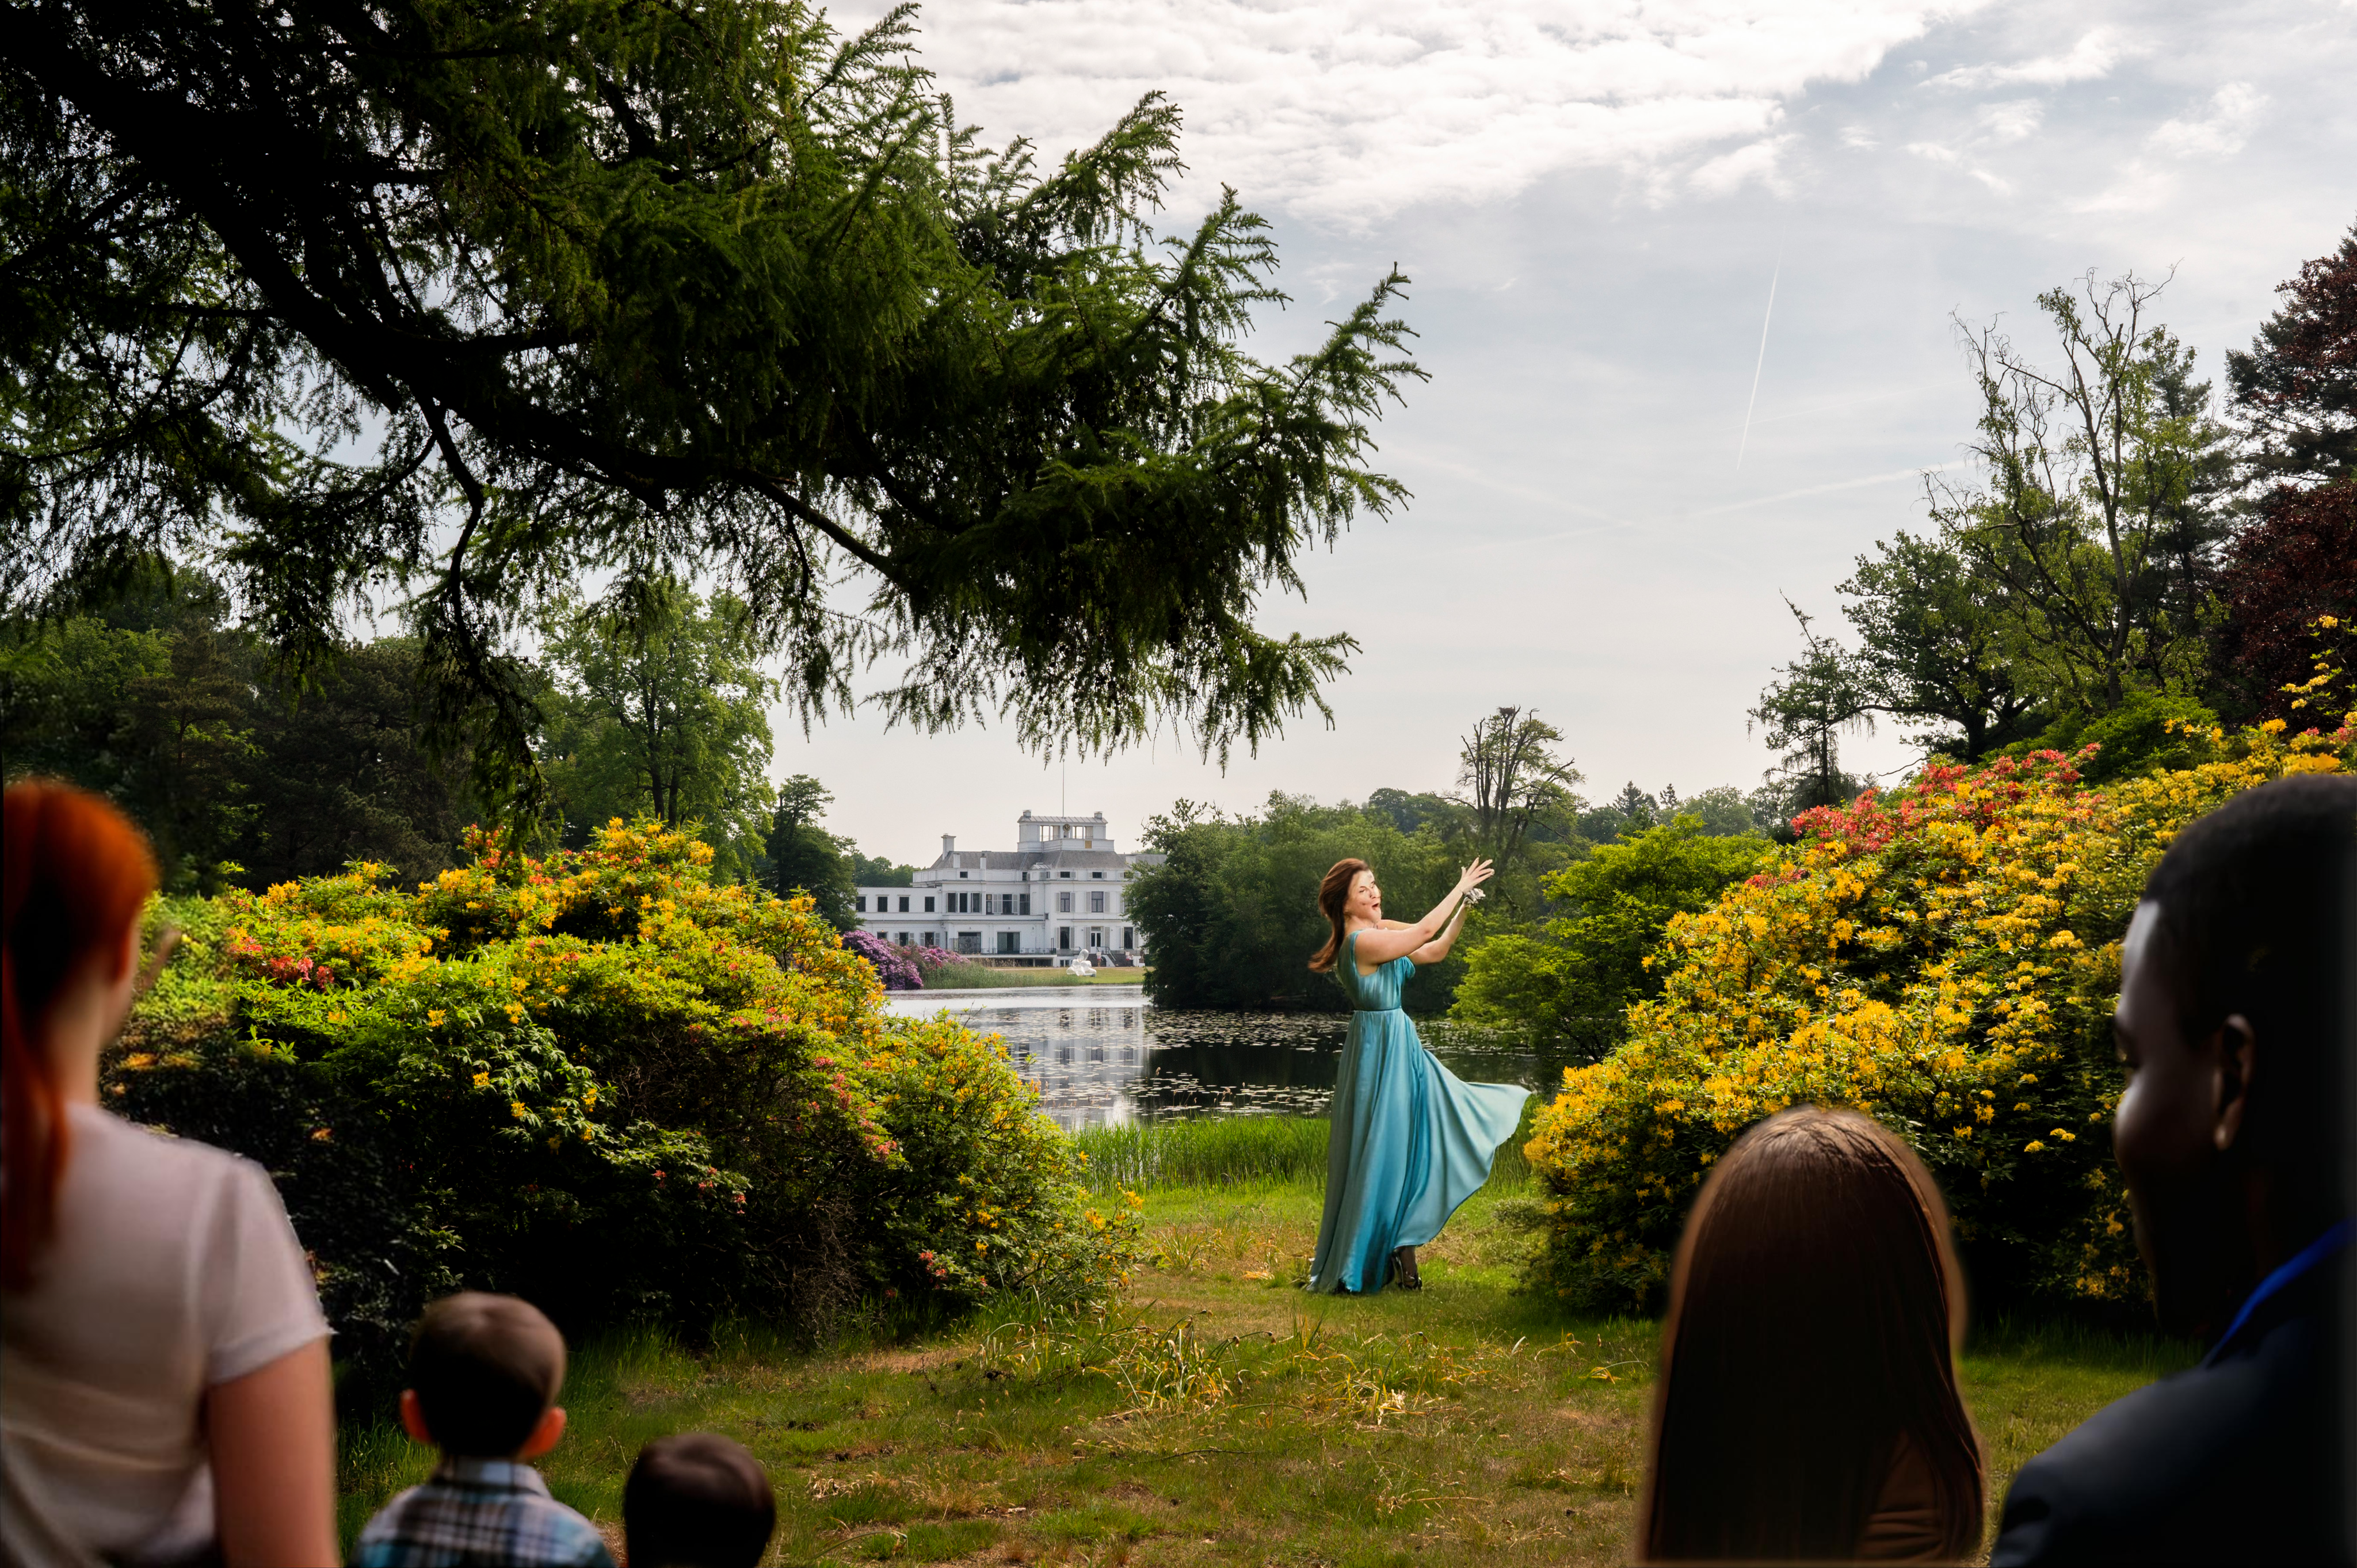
[1578, 973]
[1231, 915]
[2097, 509]
[457, 303]
[663, 710]
[802, 858]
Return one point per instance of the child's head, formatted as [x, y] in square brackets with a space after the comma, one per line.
[483, 1375]
[696, 1501]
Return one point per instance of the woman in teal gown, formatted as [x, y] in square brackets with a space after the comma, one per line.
[1409, 1140]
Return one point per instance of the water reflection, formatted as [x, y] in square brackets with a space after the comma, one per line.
[1103, 1057]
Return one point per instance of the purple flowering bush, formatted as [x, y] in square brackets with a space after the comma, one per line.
[892, 966]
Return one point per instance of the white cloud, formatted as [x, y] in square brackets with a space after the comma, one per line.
[2090, 58]
[1728, 172]
[1355, 109]
[2234, 110]
[2011, 121]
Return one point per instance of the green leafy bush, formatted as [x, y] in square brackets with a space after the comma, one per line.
[602, 1081]
[1943, 958]
[1587, 963]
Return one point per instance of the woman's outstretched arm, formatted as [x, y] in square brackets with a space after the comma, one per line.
[1437, 949]
[1379, 945]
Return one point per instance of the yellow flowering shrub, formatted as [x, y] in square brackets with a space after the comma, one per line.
[1943, 957]
[602, 1079]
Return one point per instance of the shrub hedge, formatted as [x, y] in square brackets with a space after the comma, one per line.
[602, 1081]
[1944, 958]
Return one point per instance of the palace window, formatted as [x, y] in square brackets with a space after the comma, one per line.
[1063, 936]
[1128, 937]
[1096, 875]
[904, 909]
[1027, 905]
[928, 909]
[1063, 903]
[859, 903]
[1096, 904]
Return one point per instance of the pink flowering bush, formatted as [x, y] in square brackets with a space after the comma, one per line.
[602, 1081]
[895, 968]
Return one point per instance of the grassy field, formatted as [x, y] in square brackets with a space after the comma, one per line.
[1218, 1416]
[983, 976]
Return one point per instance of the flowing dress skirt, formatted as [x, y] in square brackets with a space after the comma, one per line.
[1410, 1142]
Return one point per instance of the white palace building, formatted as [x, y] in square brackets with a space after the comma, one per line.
[1064, 889]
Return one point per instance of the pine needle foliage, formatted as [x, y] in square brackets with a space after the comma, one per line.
[467, 305]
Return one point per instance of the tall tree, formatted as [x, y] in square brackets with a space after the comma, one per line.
[462, 303]
[2091, 472]
[1511, 774]
[2297, 389]
[1821, 693]
[802, 858]
[2294, 562]
[337, 773]
[663, 708]
[1932, 648]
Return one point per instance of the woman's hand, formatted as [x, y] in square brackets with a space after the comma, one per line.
[1473, 875]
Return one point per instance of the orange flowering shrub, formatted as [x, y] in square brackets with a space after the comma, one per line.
[602, 1079]
[1944, 958]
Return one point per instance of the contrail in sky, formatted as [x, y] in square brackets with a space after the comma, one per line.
[1762, 362]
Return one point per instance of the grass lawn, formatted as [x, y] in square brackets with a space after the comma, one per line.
[1219, 1416]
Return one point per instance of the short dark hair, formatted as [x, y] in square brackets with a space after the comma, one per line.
[485, 1369]
[2255, 915]
[696, 1501]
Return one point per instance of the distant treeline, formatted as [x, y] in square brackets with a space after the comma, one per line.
[244, 775]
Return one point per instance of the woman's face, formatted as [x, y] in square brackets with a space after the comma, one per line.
[1365, 901]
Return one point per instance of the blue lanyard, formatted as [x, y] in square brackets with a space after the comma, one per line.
[2308, 1258]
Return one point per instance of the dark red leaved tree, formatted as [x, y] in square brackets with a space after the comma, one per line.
[2297, 386]
[2296, 562]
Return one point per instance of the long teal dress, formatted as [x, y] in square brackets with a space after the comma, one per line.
[1410, 1141]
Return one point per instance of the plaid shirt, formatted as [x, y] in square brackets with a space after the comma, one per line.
[480, 1511]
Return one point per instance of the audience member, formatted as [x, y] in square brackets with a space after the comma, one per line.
[2231, 1133]
[164, 1379]
[483, 1379]
[1807, 1406]
[696, 1501]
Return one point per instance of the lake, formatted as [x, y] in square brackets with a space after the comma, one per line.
[1101, 1055]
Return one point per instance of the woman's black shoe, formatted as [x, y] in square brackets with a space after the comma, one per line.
[1403, 1272]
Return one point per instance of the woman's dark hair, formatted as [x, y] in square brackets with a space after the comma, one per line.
[1332, 894]
[698, 1500]
[1814, 1311]
[77, 874]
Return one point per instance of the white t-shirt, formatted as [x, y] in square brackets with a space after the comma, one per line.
[172, 1269]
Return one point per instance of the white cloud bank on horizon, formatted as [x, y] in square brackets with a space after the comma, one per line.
[1351, 110]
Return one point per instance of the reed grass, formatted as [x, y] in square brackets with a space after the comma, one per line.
[1238, 1151]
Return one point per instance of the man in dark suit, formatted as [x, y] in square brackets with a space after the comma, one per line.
[2232, 1136]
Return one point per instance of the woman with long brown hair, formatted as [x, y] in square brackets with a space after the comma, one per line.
[1807, 1408]
[1409, 1141]
[164, 1382]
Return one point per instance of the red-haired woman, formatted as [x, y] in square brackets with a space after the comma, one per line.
[163, 1388]
[1408, 1139]
[1807, 1408]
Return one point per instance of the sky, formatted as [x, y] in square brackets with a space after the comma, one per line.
[1627, 458]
